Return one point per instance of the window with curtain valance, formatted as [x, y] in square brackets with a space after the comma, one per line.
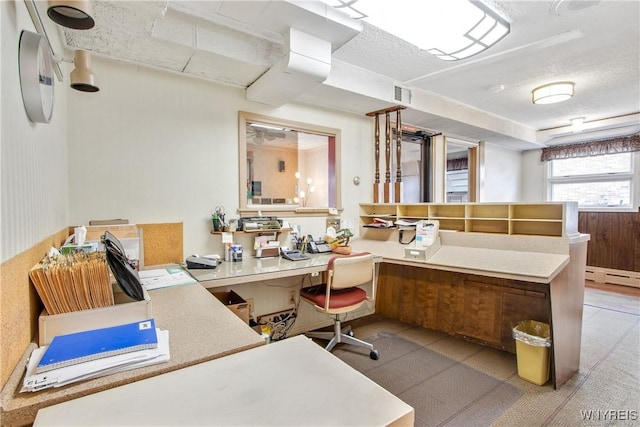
[600, 175]
[623, 144]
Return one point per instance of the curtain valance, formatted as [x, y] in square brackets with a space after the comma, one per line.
[457, 164]
[623, 144]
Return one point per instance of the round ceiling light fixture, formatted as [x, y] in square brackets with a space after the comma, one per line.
[552, 93]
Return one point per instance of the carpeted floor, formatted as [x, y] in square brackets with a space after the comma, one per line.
[450, 381]
[442, 390]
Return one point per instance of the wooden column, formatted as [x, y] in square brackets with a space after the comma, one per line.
[376, 182]
[397, 193]
[387, 158]
[387, 183]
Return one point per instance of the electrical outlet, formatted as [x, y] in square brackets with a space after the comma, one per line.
[250, 304]
[292, 297]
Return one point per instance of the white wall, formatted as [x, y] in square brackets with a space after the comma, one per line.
[502, 175]
[34, 193]
[153, 146]
[533, 177]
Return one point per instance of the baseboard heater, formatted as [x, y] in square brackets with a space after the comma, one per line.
[614, 277]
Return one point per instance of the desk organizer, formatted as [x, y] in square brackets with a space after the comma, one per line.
[419, 253]
[125, 310]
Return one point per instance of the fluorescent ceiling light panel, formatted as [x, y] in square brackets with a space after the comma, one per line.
[450, 30]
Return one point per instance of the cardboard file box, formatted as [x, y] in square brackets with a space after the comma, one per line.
[235, 303]
[125, 310]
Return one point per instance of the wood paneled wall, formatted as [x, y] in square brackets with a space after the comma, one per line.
[615, 239]
[483, 309]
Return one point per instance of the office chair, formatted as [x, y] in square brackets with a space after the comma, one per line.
[341, 294]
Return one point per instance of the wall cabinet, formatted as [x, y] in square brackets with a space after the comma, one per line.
[539, 219]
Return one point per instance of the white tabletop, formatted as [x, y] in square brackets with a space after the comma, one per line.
[290, 382]
[526, 265]
[253, 269]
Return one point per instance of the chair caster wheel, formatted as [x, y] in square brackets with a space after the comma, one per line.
[374, 355]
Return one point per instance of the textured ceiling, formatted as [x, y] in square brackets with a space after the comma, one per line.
[594, 44]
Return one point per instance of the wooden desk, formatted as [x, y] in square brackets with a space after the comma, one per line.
[478, 286]
[200, 329]
[287, 383]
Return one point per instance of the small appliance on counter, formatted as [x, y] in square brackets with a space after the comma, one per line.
[202, 262]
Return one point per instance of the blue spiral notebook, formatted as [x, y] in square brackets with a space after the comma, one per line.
[79, 347]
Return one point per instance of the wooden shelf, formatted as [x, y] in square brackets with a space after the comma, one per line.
[558, 219]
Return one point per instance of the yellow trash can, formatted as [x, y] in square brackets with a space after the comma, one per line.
[533, 340]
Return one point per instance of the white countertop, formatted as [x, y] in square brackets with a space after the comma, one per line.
[529, 266]
[254, 269]
[525, 265]
[200, 327]
[294, 382]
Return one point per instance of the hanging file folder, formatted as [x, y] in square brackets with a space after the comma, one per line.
[79, 347]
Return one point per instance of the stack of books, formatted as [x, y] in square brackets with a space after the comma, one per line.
[89, 354]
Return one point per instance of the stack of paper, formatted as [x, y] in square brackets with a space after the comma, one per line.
[95, 352]
[71, 349]
[165, 277]
[380, 223]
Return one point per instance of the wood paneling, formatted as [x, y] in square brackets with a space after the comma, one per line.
[615, 239]
[483, 309]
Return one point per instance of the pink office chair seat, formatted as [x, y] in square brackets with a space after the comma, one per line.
[340, 298]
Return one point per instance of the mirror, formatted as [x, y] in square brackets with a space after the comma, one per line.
[461, 171]
[287, 165]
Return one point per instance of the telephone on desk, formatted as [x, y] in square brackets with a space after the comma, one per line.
[293, 255]
[317, 246]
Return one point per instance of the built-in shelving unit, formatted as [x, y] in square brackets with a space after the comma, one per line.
[539, 219]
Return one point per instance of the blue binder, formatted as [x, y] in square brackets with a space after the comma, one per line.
[71, 349]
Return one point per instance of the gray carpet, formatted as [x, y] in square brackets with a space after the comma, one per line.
[442, 391]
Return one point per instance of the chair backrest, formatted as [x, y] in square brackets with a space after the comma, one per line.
[350, 270]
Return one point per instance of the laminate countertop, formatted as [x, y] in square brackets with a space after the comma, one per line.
[200, 327]
[293, 382]
[531, 259]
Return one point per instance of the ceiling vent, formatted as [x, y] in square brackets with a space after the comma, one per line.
[402, 95]
[306, 64]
